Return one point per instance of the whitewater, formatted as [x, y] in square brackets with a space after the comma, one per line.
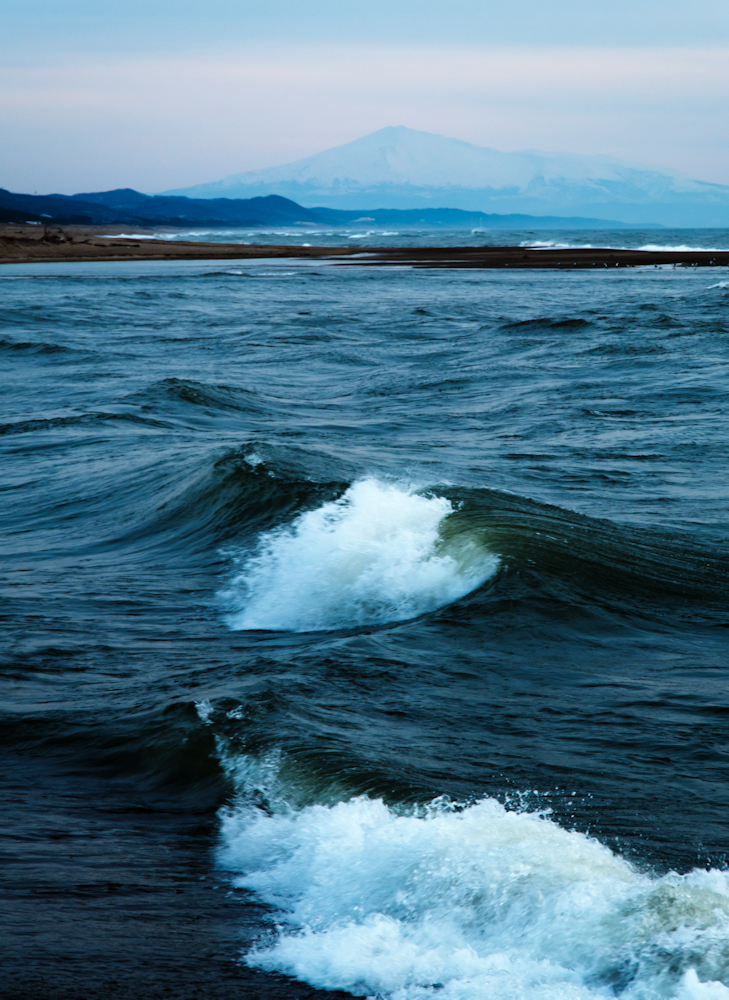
[471, 901]
[365, 628]
[374, 555]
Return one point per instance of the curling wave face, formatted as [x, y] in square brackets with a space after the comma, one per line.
[375, 555]
[467, 902]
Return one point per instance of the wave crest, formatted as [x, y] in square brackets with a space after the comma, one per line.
[373, 556]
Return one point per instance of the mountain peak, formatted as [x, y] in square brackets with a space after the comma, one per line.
[401, 167]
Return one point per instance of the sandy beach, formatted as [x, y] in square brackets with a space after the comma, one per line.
[25, 244]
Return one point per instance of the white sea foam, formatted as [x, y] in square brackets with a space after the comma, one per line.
[375, 555]
[193, 235]
[554, 245]
[719, 284]
[466, 904]
[371, 232]
[659, 248]
[137, 236]
[654, 247]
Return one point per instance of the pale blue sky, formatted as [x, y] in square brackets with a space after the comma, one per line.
[164, 25]
[165, 93]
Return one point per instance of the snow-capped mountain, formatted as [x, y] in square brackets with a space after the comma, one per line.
[398, 167]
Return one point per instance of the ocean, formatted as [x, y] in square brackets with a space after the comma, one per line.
[365, 629]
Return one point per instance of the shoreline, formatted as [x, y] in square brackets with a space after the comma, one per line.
[27, 244]
[24, 244]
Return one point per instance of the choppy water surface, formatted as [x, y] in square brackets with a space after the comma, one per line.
[366, 234]
[367, 628]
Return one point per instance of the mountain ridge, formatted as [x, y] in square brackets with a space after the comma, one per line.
[125, 206]
[398, 167]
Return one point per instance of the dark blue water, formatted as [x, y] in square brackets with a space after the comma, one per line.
[366, 628]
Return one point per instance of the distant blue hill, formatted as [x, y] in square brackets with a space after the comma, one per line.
[128, 207]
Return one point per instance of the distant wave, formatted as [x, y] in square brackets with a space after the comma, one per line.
[554, 245]
[649, 247]
[681, 248]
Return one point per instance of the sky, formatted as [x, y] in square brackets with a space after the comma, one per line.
[164, 94]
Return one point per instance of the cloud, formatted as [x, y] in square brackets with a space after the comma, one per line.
[156, 122]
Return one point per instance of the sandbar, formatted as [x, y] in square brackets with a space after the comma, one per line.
[27, 244]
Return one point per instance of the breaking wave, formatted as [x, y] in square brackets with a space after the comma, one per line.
[659, 248]
[464, 902]
[373, 556]
[554, 245]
